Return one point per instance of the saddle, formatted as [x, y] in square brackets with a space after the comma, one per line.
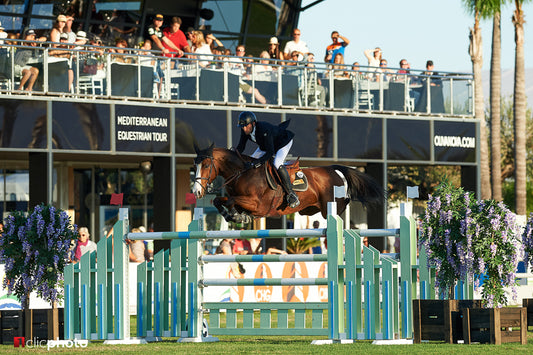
[298, 178]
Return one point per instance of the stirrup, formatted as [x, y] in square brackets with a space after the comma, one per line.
[293, 200]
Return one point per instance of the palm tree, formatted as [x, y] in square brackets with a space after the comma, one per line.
[479, 9]
[495, 102]
[519, 105]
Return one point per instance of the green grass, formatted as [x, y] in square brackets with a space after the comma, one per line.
[282, 345]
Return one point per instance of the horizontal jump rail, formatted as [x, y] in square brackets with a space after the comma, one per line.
[263, 282]
[263, 258]
[243, 234]
[235, 234]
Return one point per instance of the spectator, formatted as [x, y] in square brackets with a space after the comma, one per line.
[3, 34]
[154, 33]
[404, 67]
[200, 47]
[335, 47]
[178, 42]
[227, 51]
[189, 34]
[374, 58]
[82, 245]
[239, 65]
[296, 45]
[212, 41]
[317, 249]
[149, 244]
[23, 55]
[386, 73]
[314, 84]
[339, 69]
[264, 66]
[68, 29]
[365, 243]
[293, 58]
[120, 57]
[356, 72]
[225, 247]
[136, 248]
[58, 29]
[274, 51]
[242, 247]
[429, 72]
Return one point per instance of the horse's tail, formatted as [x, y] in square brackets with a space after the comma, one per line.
[361, 187]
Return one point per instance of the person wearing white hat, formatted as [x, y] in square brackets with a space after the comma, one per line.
[273, 49]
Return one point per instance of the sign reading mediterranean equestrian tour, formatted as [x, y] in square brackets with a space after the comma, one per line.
[134, 122]
[140, 129]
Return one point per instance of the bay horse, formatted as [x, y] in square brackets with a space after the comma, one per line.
[249, 194]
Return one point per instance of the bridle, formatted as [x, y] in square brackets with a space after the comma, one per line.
[212, 167]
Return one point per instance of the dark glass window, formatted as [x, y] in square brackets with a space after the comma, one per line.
[23, 124]
[360, 138]
[408, 140]
[201, 126]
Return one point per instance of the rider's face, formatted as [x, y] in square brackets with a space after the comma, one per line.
[248, 128]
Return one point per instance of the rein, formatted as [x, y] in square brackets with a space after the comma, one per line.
[212, 167]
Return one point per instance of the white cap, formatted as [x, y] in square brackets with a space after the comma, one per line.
[81, 35]
[273, 40]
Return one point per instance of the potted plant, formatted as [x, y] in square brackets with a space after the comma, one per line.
[34, 248]
[470, 239]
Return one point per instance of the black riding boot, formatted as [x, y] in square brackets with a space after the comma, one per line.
[292, 199]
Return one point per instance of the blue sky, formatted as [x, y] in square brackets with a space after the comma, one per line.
[417, 30]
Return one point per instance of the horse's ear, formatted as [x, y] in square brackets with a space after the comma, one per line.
[210, 149]
[196, 149]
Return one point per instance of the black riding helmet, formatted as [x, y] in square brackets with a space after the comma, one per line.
[245, 118]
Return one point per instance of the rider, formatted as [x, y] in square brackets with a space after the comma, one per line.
[272, 141]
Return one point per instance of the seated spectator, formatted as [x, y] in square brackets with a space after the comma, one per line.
[200, 47]
[136, 248]
[264, 66]
[227, 51]
[64, 51]
[339, 69]
[274, 51]
[82, 245]
[385, 73]
[23, 55]
[121, 56]
[58, 29]
[356, 73]
[436, 81]
[293, 59]
[238, 64]
[314, 84]
[296, 45]
[212, 41]
[225, 247]
[242, 247]
[3, 34]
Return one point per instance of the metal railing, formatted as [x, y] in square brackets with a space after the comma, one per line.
[123, 73]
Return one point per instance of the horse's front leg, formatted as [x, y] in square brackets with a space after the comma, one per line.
[226, 210]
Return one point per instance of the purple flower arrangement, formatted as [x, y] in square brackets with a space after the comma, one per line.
[469, 239]
[34, 249]
[527, 241]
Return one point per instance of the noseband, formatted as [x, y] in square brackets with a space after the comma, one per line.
[212, 167]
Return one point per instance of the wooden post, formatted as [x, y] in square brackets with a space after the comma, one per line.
[495, 326]
[417, 322]
[466, 325]
[53, 322]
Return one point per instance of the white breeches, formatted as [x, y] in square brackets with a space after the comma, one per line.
[280, 156]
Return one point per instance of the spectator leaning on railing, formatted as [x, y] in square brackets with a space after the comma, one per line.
[28, 74]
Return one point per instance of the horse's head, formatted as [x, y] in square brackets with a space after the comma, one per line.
[206, 170]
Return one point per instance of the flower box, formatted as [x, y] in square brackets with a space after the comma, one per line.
[495, 325]
[528, 303]
[13, 324]
[439, 320]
